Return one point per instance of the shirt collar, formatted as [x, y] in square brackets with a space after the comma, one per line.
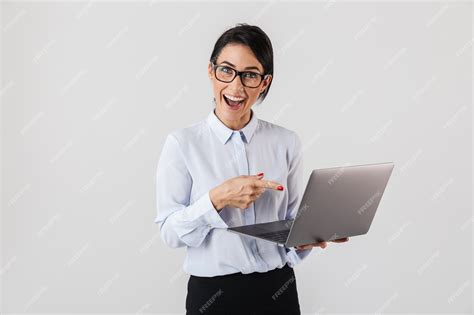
[224, 133]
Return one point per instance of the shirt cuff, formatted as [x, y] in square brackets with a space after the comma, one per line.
[194, 223]
[202, 212]
[211, 216]
[295, 256]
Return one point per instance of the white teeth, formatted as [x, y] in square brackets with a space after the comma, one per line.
[233, 98]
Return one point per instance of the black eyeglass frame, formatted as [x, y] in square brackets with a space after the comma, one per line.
[239, 73]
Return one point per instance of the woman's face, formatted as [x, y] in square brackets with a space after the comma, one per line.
[240, 58]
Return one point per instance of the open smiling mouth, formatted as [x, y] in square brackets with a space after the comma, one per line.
[234, 102]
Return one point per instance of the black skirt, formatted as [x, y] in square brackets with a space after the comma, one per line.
[272, 292]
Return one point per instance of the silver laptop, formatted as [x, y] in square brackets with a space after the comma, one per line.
[338, 202]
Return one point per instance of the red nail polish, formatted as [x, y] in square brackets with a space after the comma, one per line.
[260, 174]
[280, 187]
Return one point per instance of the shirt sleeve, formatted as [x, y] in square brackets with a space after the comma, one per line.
[181, 223]
[295, 185]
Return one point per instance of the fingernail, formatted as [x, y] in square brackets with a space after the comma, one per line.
[260, 174]
[280, 187]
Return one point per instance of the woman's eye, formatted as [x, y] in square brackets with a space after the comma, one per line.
[250, 75]
[226, 69]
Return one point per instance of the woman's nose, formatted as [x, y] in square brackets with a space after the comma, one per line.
[237, 84]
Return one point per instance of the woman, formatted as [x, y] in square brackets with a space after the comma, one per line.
[213, 175]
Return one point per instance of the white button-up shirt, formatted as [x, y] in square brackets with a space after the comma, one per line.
[203, 155]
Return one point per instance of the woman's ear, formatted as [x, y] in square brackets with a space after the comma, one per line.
[266, 83]
[209, 70]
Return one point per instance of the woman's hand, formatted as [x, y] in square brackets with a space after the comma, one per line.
[241, 191]
[322, 244]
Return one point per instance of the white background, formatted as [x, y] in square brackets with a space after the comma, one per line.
[90, 90]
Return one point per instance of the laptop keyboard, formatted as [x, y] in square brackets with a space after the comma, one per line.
[278, 236]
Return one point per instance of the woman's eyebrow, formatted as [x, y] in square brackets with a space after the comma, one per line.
[247, 68]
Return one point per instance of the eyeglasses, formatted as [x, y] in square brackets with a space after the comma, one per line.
[227, 74]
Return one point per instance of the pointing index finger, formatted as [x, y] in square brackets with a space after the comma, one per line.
[269, 184]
